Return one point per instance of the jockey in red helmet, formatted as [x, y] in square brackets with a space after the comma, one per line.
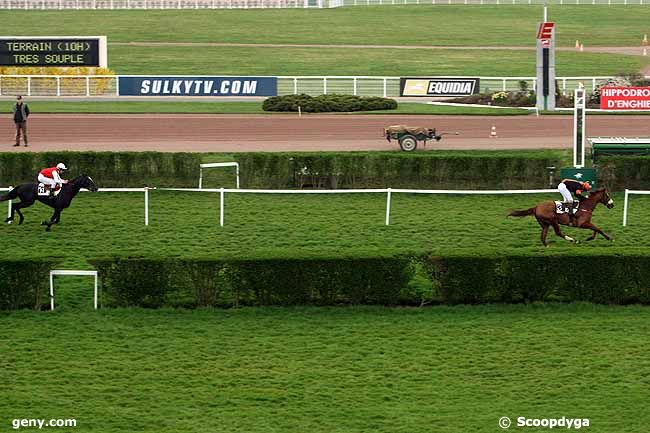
[51, 177]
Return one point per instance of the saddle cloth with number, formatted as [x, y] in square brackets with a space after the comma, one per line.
[44, 190]
[559, 207]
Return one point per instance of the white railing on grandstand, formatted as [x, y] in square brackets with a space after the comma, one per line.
[274, 4]
[626, 202]
[108, 85]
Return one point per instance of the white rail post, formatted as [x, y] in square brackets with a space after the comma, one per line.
[9, 207]
[58, 86]
[354, 86]
[146, 206]
[385, 88]
[200, 177]
[627, 193]
[237, 169]
[51, 291]
[29, 86]
[388, 206]
[324, 85]
[95, 296]
[221, 195]
[295, 85]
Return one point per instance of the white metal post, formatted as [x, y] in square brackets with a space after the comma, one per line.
[87, 86]
[95, 297]
[237, 169]
[146, 206]
[385, 88]
[29, 86]
[201, 178]
[51, 291]
[627, 193]
[388, 206]
[221, 194]
[58, 86]
[9, 208]
[324, 85]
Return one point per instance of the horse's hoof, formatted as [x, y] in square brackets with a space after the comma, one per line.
[48, 229]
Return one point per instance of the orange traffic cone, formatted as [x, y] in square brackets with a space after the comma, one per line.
[493, 132]
[577, 44]
[582, 47]
[645, 40]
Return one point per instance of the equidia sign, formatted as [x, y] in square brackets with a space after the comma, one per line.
[439, 86]
[197, 86]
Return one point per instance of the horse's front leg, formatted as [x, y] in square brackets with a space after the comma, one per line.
[592, 237]
[590, 225]
[558, 232]
[55, 219]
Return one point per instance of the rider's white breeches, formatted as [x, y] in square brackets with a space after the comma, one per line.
[565, 193]
[46, 180]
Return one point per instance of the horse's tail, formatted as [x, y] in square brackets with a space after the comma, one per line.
[522, 213]
[11, 195]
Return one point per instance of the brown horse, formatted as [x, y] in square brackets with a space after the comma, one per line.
[547, 217]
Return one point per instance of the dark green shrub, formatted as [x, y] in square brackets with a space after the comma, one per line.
[327, 103]
[24, 283]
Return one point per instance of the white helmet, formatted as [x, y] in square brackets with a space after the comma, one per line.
[61, 166]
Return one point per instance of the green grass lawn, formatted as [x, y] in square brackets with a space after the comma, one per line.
[348, 61]
[409, 25]
[237, 108]
[333, 370]
[389, 25]
[262, 225]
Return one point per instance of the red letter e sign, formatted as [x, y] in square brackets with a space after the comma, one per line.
[545, 31]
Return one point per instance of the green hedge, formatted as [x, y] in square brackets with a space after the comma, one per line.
[453, 170]
[109, 169]
[191, 283]
[154, 283]
[24, 283]
[327, 103]
[620, 172]
[607, 279]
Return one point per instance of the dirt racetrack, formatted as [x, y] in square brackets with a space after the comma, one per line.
[243, 133]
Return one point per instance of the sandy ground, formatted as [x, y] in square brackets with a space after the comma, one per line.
[245, 133]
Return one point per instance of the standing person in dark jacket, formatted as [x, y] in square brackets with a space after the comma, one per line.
[21, 113]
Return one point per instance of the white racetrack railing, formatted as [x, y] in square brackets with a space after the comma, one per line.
[274, 4]
[108, 86]
[388, 191]
[628, 192]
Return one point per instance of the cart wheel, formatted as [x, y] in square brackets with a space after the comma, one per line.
[408, 143]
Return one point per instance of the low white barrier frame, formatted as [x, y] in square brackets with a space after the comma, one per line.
[626, 202]
[62, 272]
[214, 165]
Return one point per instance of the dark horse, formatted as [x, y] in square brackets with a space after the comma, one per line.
[28, 195]
[546, 216]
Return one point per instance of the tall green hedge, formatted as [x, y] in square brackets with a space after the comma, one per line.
[620, 172]
[191, 283]
[24, 283]
[109, 169]
[454, 170]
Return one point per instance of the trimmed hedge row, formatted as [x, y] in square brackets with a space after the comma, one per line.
[453, 170]
[620, 172]
[24, 283]
[192, 283]
[398, 280]
[154, 283]
[327, 103]
[469, 170]
[109, 169]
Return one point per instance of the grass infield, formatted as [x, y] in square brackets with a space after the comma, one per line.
[329, 370]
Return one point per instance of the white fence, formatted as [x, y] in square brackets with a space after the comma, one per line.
[157, 4]
[108, 86]
[61, 272]
[626, 202]
[273, 4]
